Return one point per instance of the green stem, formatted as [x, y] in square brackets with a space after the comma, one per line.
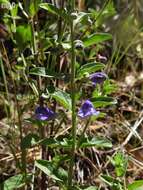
[83, 132]
[43, 185]
[57, 59]
[6, 87]
[34, 46]
[73, 60]
[23, 151]
[97, 17]
[33, 37]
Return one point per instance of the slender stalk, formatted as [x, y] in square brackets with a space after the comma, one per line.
[6, 87]
[57, 58]
[97, 17]
[83, 132]
[23, 151]
[43, 185]
[33, 37]
[34, 46]
[73, 60]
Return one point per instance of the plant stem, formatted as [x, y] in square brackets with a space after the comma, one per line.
[34, 48]
[6, 87]
[57, 58]
[43, 185]
[73, 57]
[97, 17]
[83, 132]
[23, 151]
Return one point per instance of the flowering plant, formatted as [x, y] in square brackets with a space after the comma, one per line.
[55, 64]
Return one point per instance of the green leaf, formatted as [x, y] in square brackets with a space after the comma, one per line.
[109, 87]
[120, 163]
[15, 182]
[30, 7]
[136, 185]
[60, 159]
[14, 11]
[50, 142]
[112, 182]
[89, 68]
[42, 71]
[23, 36]
[54, 10]
[61, 173]
[66, 143]
[103, 101]
[29, 140]
[96, 38]
[82, 17]
[47, 168]
[97, 142]
[53, 143]
[33, 7]
[62, 98]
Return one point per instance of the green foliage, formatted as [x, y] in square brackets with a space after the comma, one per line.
[104, 15]
[96, 38]
[98, 142]
[115, 184]
[62, 98]
[120, 163]
[33, 7]
[23, 36]
[88, 69]
[103, 101]
[109, 87]
[55, 143]
[29, 140]
[43, 72]
[54, 10]
[47, 168]
[136, 185]
[14, 11]
[15, 182]
[53, 172]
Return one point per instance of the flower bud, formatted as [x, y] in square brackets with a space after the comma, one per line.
[79, 44]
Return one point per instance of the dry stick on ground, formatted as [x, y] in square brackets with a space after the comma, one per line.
[133, 131]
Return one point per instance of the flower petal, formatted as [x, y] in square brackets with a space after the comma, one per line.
[98, 77]
[87, 110]
[44, 113]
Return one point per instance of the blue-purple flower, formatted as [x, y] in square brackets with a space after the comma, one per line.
[98, 78]
[87, 110]
[43, 113]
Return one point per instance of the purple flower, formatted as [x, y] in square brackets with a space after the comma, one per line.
[98, 78]
[87, 110]
[44, 113]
